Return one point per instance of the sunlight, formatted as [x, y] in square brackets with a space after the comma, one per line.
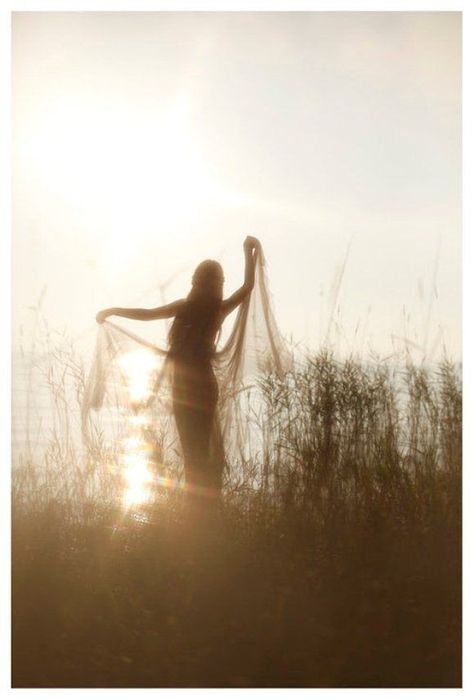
[136, 495]
[139, 366]
[136, 470]
[138, 477]
[134, 168]
[139, 420]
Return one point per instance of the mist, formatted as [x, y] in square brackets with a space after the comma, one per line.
[146, 142]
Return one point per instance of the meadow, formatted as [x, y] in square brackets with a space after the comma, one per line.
[333, 561]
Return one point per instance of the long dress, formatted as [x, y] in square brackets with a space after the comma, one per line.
[195, 396]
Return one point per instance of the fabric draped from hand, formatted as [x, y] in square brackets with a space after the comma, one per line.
[254, 346]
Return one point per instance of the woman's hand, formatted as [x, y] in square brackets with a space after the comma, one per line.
[102, 315]
[251, 243]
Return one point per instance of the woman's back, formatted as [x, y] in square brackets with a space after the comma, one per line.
[194, 331]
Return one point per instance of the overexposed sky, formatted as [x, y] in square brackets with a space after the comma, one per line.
[145, 142]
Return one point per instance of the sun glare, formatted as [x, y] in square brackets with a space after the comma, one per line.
[137, 476]
[139, 367]
[134, 168]
[136, 469]
[135, 495]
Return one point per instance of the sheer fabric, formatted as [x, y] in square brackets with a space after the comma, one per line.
[254, 345]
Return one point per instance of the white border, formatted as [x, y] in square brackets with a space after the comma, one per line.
[5, 370]
[236, 5]
[5, 281]
[467, 287]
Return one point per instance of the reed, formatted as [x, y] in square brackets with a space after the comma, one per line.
[335, 560]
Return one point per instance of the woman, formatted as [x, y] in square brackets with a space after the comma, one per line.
[192, 341]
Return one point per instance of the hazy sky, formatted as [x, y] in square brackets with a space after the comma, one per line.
[145, 142]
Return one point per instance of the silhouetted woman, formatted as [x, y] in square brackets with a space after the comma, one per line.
[192, 344]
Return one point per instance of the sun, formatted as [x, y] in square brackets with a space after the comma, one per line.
[130, 173]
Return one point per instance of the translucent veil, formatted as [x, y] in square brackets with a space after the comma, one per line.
[254, 345]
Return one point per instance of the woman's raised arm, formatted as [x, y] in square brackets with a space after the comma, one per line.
[166, 311]
[250, 248]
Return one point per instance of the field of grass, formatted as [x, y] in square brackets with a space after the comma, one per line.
[334, 560]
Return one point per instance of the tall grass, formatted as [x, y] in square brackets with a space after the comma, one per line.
[334, 561]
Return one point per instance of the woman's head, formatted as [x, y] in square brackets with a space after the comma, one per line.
[195, 326]
[208, 280]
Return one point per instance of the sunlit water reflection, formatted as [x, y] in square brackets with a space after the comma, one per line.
[139, 368]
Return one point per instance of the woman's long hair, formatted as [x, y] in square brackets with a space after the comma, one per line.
[195, 326]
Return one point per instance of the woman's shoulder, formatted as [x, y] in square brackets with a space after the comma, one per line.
[178, 305]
